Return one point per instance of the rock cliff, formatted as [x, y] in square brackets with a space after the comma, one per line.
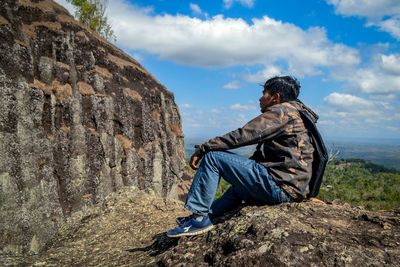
[79, 119]
[128, 229]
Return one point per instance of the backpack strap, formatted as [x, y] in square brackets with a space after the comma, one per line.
[258, 155]
[320, 155]
[258, 148]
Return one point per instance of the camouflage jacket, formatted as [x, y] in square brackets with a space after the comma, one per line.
[288, 153]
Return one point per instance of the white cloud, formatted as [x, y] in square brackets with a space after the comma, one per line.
[195, 8]
[391, 25]
[385, 14]
[393, 129]
[385, 97]
[348, 114]
[185, 105]
[366, 8]
[244, 107]
[380, 77]
[233, 85]
[391, 63]
[247, 3]
[358, 120]
[215, 121]
[369, 81]
[216, 110]
[228, 3]
[347, 101]
[220, 41]
[263, 75]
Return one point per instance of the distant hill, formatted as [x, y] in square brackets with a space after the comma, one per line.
[385, 154]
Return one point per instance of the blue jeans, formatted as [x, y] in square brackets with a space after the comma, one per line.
[250, 182]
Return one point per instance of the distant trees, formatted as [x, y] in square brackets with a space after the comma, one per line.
[361, 183]
[91, 13]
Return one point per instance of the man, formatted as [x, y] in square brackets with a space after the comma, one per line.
[281, 175]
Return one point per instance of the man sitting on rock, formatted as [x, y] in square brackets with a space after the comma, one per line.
[281, 175]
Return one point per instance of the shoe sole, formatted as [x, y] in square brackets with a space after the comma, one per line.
[198, 232]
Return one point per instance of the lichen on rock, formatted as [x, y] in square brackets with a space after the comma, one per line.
[128, 227]
[75, 112]
[296, 234]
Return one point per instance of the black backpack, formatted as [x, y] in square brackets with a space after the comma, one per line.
[320, 154]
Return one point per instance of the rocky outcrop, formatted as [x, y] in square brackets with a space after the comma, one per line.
[128, 229]
[79, 119]
[303, 234]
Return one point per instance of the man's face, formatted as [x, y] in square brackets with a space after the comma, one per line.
[266, 100]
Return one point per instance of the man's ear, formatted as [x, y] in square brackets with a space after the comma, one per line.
[276, 98]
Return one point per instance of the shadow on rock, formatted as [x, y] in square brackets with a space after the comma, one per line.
[230, 214]
[161, 244]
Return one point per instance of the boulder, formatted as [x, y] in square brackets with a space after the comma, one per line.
[297, 234]
[79, 119]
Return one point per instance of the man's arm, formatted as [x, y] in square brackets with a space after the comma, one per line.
[265, 126]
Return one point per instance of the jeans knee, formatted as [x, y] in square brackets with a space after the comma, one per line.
[211, 158]
[213, 155]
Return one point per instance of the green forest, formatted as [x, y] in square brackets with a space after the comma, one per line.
[356, 182]
[360, 183]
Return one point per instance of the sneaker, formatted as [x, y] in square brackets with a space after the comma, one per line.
[182, 220]
[191, 227]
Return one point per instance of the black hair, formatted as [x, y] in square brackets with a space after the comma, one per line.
[288, 87]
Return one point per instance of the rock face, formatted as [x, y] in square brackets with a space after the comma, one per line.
[79, 119]
[305, 234]
[128, 229]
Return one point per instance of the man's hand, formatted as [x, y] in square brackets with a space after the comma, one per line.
[195, 158]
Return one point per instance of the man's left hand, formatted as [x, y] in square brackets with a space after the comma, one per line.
[194, 159]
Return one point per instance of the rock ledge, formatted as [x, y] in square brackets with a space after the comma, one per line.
[128, 229]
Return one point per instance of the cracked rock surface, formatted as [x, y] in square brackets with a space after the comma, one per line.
[128, 229]
[79, 119]
[297, 234]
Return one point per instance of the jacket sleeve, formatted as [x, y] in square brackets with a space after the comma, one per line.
[266, 126]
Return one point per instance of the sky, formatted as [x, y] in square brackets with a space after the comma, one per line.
[213, 55]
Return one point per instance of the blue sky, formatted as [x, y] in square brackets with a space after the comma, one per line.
[213, 54]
